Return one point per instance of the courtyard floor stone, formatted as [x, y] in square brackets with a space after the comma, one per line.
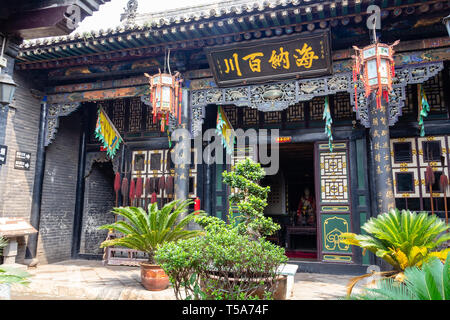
[90, 280]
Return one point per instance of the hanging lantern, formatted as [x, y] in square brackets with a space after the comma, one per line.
[165, 97]
[374, 65]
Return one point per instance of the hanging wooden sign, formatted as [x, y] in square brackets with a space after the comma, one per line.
[22, 161]
[287, 57]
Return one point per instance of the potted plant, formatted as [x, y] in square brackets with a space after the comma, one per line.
[430, 282]
[401, 238]
[232, 260]
[224, 264]
[10, 276]
[249, 199]
[146, 231]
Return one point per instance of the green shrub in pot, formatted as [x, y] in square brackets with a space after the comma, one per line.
[224, 264]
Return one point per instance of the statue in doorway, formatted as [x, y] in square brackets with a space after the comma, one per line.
[306, 212]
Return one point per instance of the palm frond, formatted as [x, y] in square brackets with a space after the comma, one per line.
[402, 238]
[146, 230]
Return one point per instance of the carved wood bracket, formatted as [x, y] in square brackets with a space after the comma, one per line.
[281, 95]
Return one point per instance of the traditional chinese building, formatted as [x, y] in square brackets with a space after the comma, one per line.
[268, 65]
[19, 117]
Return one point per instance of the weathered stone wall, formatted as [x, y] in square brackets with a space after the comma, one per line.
[59, 191]
[99, 199]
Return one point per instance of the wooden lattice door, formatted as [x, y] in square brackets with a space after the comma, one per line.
[333, 199]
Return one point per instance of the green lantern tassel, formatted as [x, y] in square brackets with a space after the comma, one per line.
[424, 108]
[328, 122]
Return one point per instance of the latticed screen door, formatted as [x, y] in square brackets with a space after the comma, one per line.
[333, 201]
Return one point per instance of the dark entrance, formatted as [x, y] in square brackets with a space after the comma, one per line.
[291, 202]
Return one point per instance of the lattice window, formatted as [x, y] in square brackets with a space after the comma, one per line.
[149, 124]
[296, 113]
[431, 151]
[135, 119]
[342, 106]
[272, 117]
[402, 152]
[118, 114]
[435, 94]
[404, 182]
[231, 113]
[316, 108]
[410, 92]
[410, 158]
[334, 180]
[251, 116]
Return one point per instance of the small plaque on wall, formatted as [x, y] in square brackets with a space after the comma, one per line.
[22, 161]
[3, 152]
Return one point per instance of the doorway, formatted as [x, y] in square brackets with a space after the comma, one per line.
[292, 201]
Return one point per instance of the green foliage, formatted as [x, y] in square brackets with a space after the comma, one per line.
[250, 198]
[10, 275]
[207, 267]
[403, 239]
[145, 231]
[431, 282]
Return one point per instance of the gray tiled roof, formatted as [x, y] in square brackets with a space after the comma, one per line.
[215, 9]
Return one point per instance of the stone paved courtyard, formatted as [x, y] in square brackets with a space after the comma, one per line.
[83, 279]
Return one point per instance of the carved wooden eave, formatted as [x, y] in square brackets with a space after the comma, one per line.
[55, 111]
[292, 92]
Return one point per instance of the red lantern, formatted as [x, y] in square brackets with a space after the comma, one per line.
[375, 66]
[165, 97]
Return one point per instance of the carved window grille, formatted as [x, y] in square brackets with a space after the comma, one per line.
[435, 94]
[316, 108]
[410, 158]
[410, 93]
[251, 117]
[272, 117]
[135, 119]
[149, 124]
[159, 164]
[405, 182]
[431, 151]
[296, 113]
[402, 152]
[118, 114]
[231, 113]
[342, 106]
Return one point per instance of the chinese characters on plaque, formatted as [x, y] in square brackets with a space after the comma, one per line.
[281, 58]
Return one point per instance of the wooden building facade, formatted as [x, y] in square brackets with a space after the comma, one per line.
[78, 73]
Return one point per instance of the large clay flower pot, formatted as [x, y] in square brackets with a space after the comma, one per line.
[280, 282]
[153, 277]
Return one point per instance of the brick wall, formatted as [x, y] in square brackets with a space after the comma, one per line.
[20, 135]
[59, 190]
[20, 128]
[99, 199]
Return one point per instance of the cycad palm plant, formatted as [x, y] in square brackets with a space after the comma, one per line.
[431, 282]
[145, 231]
[402, 238]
